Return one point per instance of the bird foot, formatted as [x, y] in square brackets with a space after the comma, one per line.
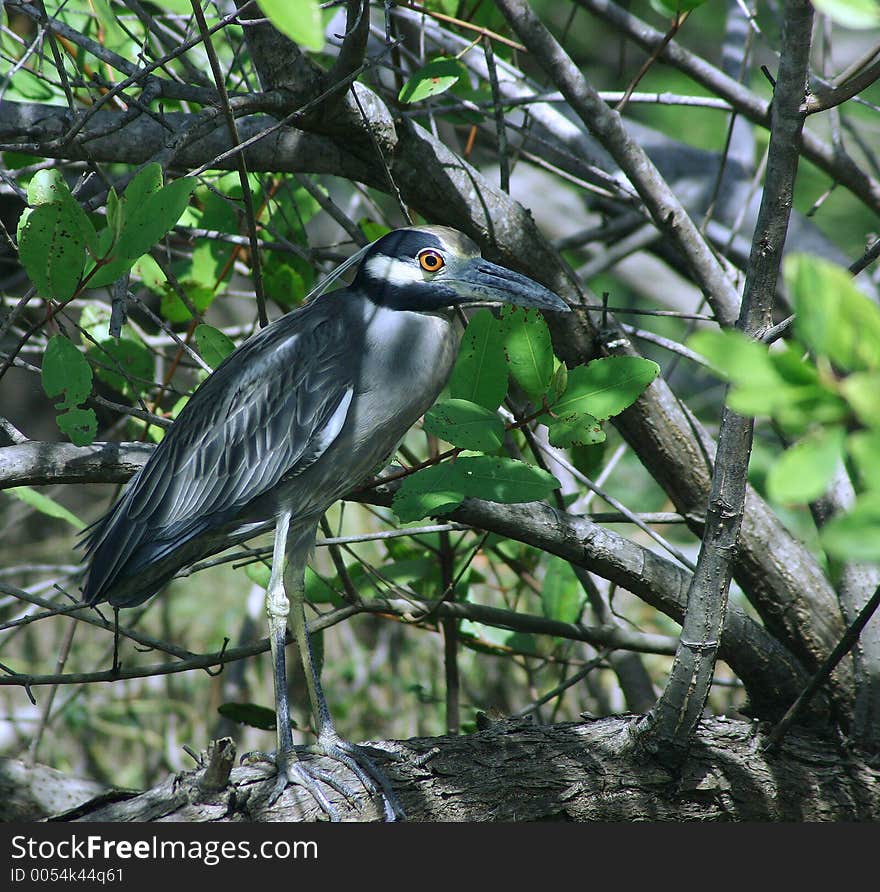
[293, 770]
[354, 758]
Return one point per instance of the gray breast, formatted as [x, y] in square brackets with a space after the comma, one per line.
[406, 361]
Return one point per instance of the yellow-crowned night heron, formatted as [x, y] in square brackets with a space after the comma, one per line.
[290, 422]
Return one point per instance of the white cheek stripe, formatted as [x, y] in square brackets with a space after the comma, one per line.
[393, 271]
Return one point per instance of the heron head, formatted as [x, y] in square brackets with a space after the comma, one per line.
[428, 268]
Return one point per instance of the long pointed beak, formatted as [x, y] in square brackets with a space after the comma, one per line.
[480, 280]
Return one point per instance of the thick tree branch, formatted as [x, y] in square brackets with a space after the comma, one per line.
[515, 771]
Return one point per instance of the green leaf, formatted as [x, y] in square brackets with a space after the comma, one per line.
[864, 447]
[284, 285]
[480, 373]
[258, 573]
[851, 13]
[562, 597]
[52, 248]
[605, 386]
[115, 219]
[575, 430]
[500, 479]
[432, 79]
[45, 505]
[300, 20]
[214, 346]
[80, 425]
[855, 536]
[125, 364]
[149, 221]
[113, 36]
[833, 318]
[803, 472]
[463, 423]
[529, 351]
[862, 392]
[672, 8]
[146, 182]
[430, 491]
[65, 371]
[735, 357]
[373, 230]
[174, 309]
[250, 714]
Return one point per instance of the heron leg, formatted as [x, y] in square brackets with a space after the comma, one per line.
[288, 764]
[329, 742]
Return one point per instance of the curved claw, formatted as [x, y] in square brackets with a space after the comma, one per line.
[359, 763]
[291, 770]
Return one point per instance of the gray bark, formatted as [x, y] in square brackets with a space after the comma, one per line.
[521, 772]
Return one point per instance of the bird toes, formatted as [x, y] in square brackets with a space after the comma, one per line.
[290, 769]
[359, 763]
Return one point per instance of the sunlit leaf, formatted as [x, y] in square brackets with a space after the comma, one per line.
[214, 346]
[529, 351]
[480, 373]
[463, 423]
[804, 471]
[431, 80]
[45, 505]
[300, 20]
[606, 386]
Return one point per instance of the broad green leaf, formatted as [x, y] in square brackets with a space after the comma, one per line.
[862, 392]
[372, 230]
[146, 182]
[463, 423]
[864, 447]
[861, 14]
[149, 273]
[318, 591]
[115, 219]
[174, 309]
[284, 285]
[480, 374]
[149, 221]
[855, 536]
[432, 490]
[125, 364]
[833, 318]
[803, 472]
[250, 714]
[65, 371]
[574, 430]
[113, 36]
[675, 7]
[52, 249]
[80, 425]
[735, 357]
[490, 639]
[214, 346]
[45, 505]
[432, 79]
[605, 387]
[529, 351]
[500, 479]
[258, 573]
[15, 160]
[562, 597]
[300, 20]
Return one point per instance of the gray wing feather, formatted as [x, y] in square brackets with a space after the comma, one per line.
[269, 411]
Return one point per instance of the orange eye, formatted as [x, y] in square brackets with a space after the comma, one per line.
[430, 261]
